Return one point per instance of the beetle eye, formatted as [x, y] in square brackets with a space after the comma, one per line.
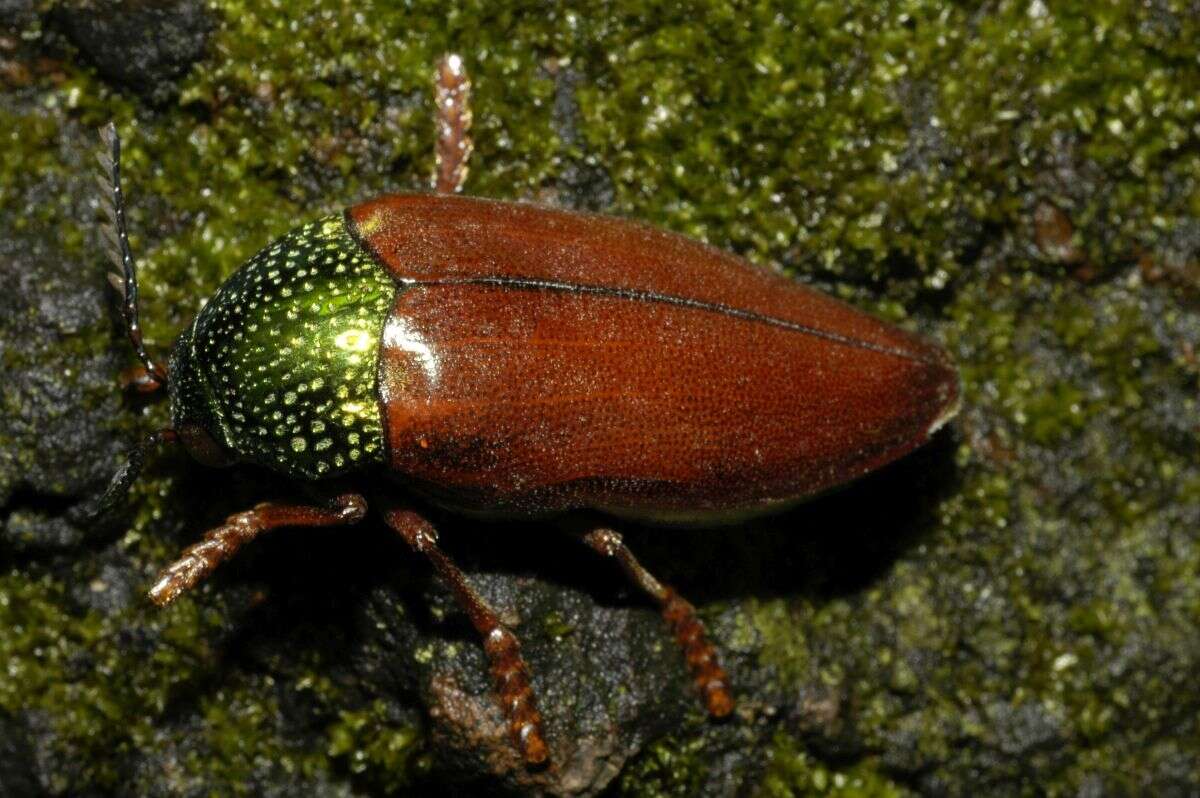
[202, 446]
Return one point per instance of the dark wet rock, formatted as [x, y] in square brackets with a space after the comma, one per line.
[17, 776]
[27, 529]
[15, 14]
[583, 182]
[166, 770]
[142, 44]
[53, 449]
[608, 678]
[113, 584]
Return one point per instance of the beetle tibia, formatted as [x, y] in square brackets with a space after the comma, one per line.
[701, 656]
[510, 673]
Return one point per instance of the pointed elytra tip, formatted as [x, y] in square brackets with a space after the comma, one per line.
[948, 413]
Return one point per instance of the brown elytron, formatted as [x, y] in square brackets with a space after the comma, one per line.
[539, 360]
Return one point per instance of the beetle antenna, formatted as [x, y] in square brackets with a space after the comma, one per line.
[118, 488]
[116, 245]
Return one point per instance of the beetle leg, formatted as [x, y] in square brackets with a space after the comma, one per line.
[140, 380]
[509, 671]
[454, 145]
[221, 543]
[707, 674]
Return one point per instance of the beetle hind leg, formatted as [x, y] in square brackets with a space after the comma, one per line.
[510, 673]
[220, 544]
[707, 674]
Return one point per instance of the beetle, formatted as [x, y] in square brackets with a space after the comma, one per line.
[503, 358]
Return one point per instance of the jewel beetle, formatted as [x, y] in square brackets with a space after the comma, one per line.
[510, 359]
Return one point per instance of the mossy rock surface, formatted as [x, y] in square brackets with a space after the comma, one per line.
[1012, 610]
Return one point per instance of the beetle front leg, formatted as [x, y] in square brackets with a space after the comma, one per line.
[509, 671]
[707, 674]
[221, 543]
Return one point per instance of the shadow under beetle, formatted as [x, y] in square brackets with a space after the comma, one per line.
[510, 359]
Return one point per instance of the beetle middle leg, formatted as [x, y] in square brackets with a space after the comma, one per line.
[707, 674]
[221, 543]
[509, 670]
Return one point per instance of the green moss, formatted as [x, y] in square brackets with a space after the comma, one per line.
[101, 696]
[792, 773]
[781, 630]
[556, 626]
[375, 748]
[895, 151]
[238, 744]
[669, 768]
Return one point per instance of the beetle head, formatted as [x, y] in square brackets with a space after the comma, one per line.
[193, 411]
